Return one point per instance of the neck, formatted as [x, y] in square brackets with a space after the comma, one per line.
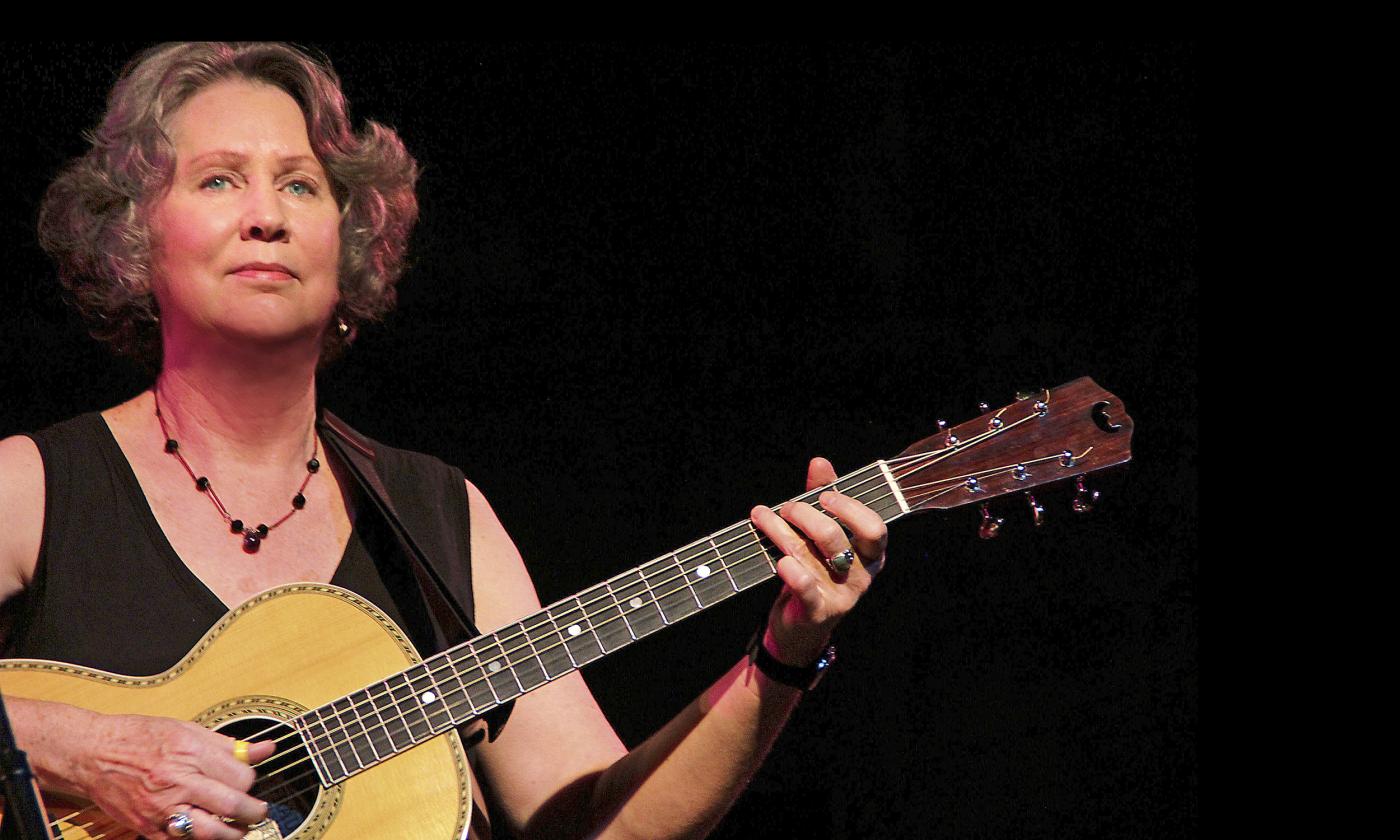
[248, 406]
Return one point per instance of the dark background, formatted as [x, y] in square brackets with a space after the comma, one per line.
[650, 282]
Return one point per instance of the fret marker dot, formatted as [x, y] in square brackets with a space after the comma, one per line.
[574, 630]
[635, 603]
[494, 666]
[702, 571]
[428, 697]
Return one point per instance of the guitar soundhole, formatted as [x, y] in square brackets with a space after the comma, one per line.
[287, 781]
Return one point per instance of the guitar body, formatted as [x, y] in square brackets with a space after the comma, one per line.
[283, 652]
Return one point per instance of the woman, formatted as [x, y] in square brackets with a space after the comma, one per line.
[229, 227]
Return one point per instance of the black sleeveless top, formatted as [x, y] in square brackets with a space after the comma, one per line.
[109, 591]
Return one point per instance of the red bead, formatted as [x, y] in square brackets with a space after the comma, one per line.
[298, 501]
[236, 526]
[201, 483]
[251, 543]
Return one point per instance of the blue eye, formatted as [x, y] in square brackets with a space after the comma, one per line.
[300, 188]
[215, 182]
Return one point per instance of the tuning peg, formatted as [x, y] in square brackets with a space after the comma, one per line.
[1084, 499]
[942, 424]
[983, 407]
[990, 528]
[1037, 510]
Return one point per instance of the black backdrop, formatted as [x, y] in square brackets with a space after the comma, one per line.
[649, 282]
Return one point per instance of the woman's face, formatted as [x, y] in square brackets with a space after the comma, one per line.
[246, 242]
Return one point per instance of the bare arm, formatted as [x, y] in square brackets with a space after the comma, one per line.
[558, 769]
[138, 769]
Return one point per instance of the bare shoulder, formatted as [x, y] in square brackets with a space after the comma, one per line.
[497, 568]
[22, 499]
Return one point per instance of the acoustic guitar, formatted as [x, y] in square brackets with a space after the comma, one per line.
[367, 730]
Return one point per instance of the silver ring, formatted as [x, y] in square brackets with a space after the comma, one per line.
[180, 824]
[841, 563]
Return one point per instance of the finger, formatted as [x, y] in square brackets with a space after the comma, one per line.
[868, 533]
[209, 827]
[781, 534]
[804, 586]
[824, 532]
[258, 751]
[820, 473]
[223, 801]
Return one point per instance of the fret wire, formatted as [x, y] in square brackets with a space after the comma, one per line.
[555, 625]
[378, 709]
[620, 611]
[349, 739]
[400, 716]
[720, 557]
[675, 558]
[592, 629]
[368, 738]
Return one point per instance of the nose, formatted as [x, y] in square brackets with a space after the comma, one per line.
[263, 218]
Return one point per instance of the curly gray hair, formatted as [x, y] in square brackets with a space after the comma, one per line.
[94, 216]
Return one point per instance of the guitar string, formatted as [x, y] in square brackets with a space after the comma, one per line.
[583, 606]
[916, 462]
[453, 659]
[643, 576]
[465, 701]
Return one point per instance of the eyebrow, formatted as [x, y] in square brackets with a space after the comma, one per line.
[238, 157]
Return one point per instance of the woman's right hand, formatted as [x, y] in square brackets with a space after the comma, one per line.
[140, 770]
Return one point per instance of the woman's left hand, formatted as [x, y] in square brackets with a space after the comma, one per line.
[815, 596]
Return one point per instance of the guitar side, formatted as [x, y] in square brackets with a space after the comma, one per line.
[284, 651]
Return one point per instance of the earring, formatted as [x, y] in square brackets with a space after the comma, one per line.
[342, 327]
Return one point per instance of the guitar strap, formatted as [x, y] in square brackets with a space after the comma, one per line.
[357, 452]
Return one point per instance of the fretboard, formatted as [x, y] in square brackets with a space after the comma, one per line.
[458, 685]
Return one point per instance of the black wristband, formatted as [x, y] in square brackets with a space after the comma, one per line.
[791, 675]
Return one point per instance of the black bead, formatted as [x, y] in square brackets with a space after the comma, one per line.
[313, 465]
[236, 526]
[262, 531]
[251, 543]
[201, 483]
[171, 444]
[298, 501]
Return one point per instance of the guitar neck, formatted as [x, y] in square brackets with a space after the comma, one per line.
[465, 682]
[1042, 438]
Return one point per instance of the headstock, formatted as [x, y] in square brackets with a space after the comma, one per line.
[1057, 434]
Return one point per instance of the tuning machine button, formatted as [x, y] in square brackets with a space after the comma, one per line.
[983, 407]
[1066, 458]
[973, 485]
[990, 528]
[1019, 472]
[1084, 498]
[1037, 510]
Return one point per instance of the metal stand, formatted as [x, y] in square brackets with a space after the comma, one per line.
[24, 818]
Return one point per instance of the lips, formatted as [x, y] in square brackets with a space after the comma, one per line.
[264, 271]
